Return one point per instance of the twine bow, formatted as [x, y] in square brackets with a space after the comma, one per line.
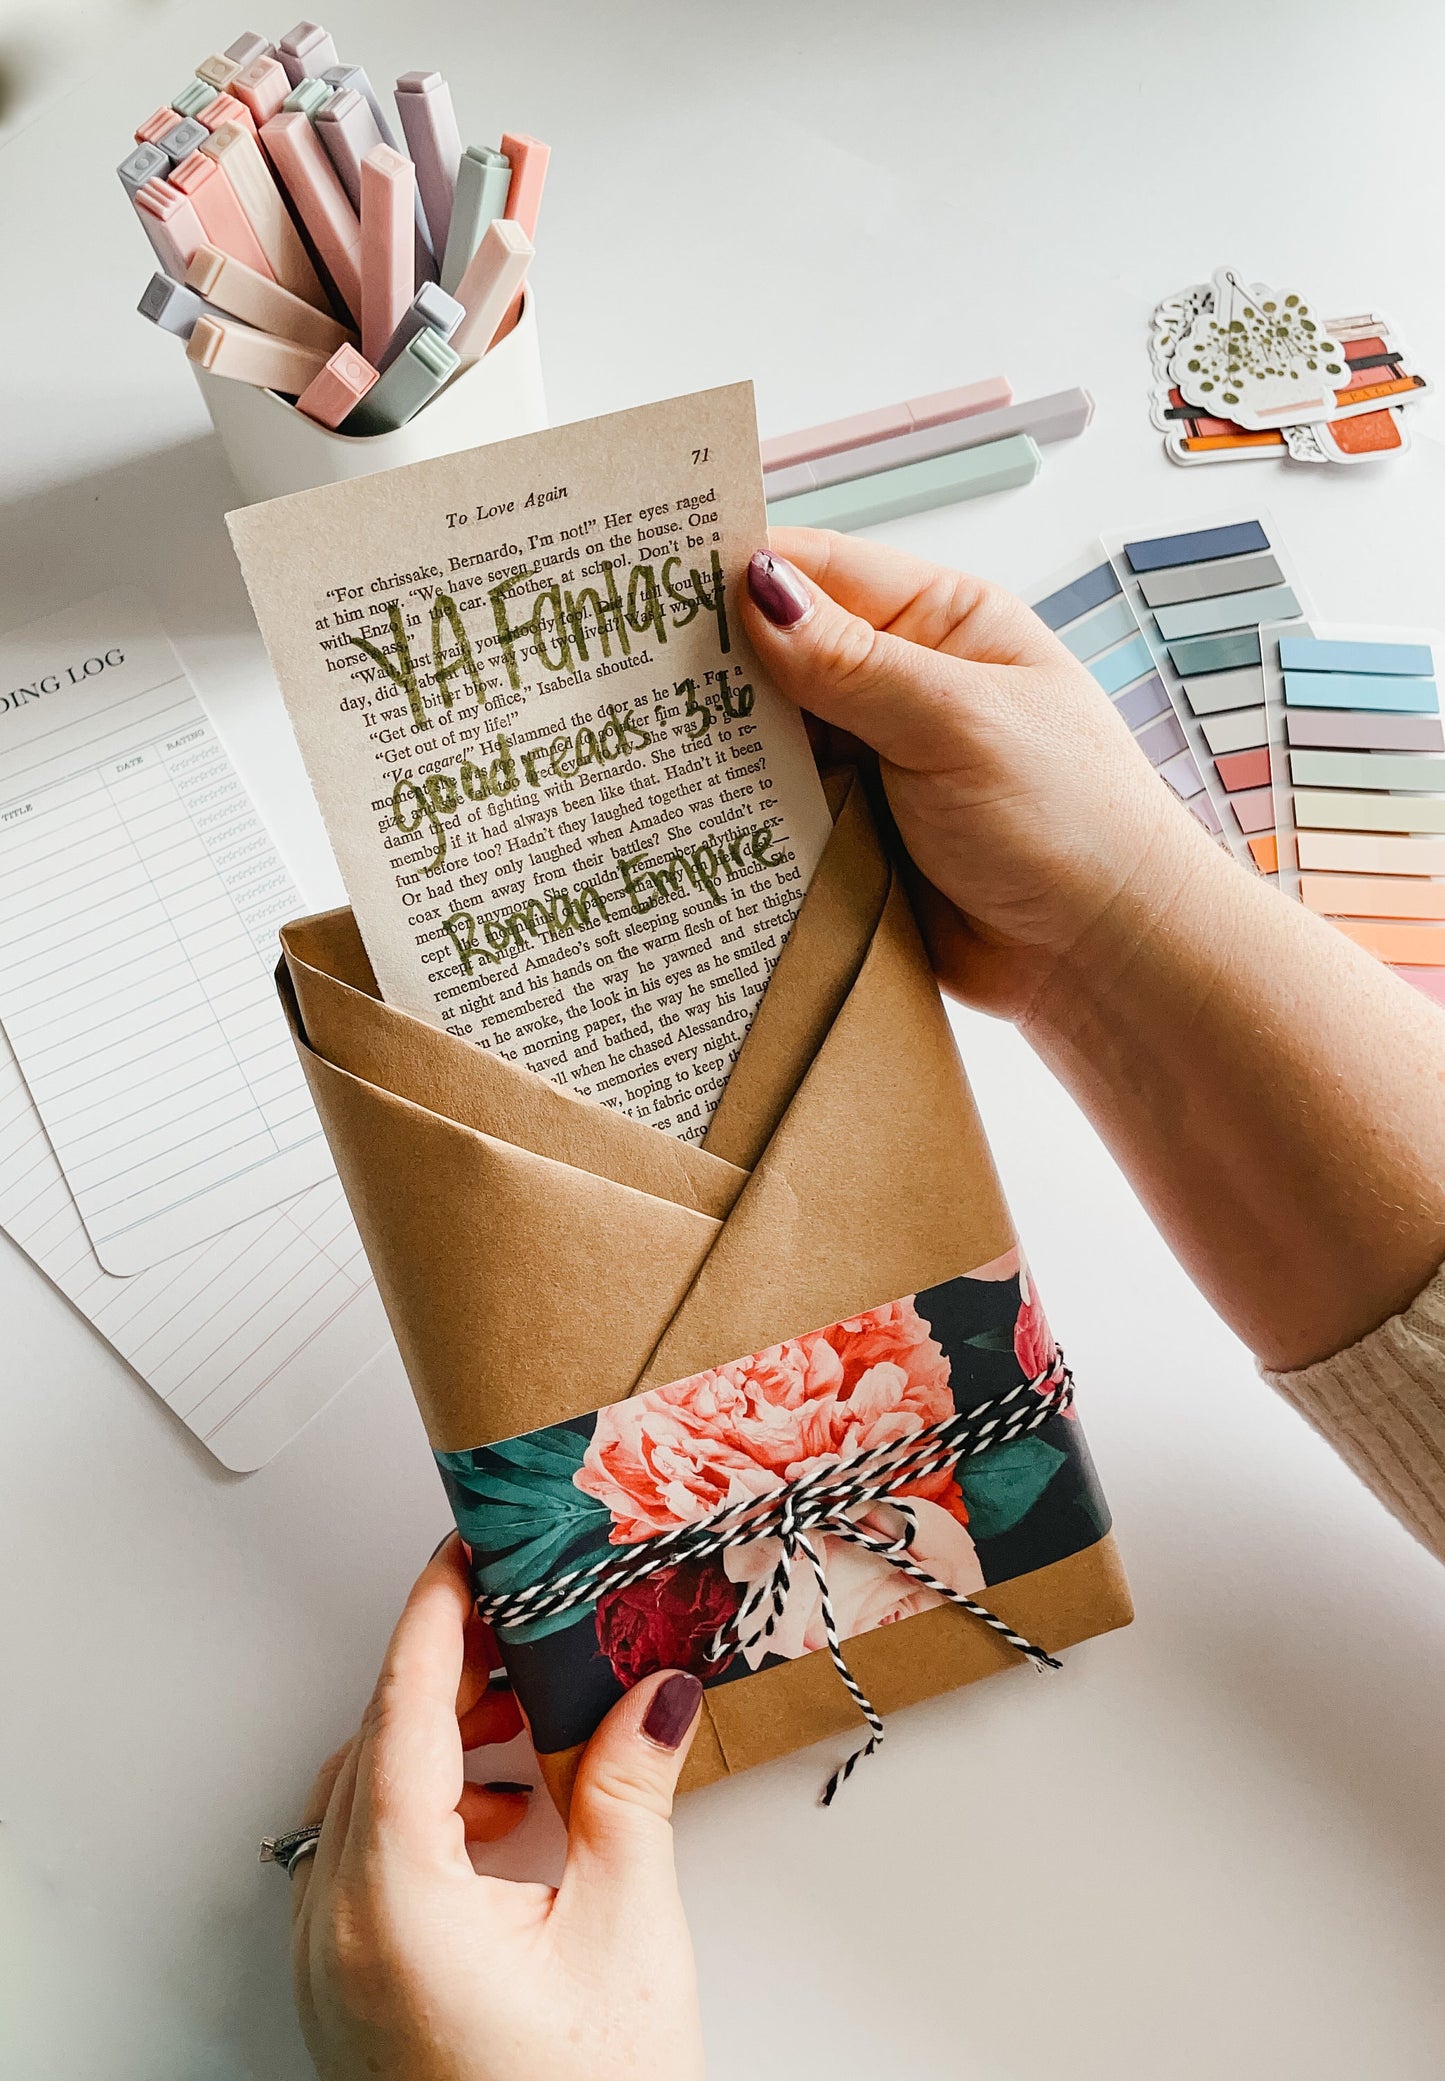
[827, 1502]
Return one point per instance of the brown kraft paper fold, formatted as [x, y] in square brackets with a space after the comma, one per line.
[541, 1255]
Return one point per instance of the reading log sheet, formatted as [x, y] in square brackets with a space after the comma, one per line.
[139, 899]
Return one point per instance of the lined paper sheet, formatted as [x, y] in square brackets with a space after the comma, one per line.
[245, 1336]
[139, 899]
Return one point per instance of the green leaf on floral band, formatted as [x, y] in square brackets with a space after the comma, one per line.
[518, 1507]
[1002, 1485]
[992, 1340]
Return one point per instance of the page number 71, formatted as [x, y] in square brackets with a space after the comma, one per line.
[699, 455]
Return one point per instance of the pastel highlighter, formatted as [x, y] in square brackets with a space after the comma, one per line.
[230, 349]
[215, 202]
[240, 157]
[1094, 618]
[388, 246]
[263, 87]
[337, 389]
[1359, 755]
[171, 225]
[260, 301]
[527, 157]
[492, 281]
[320, 200]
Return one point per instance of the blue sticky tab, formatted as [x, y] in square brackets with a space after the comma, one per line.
[1317, 654]
[1203, 547]
[1117, 667]
[1359, 690]
[1070, 601]
[1087, 638]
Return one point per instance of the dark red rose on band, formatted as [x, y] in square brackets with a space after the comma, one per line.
[667, 1621]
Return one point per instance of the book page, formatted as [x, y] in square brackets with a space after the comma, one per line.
[575, 822]
[139, 900]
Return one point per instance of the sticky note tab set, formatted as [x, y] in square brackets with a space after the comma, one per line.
[1090, 612]
[1244, 372]
[1169, 626]
[1358, 757]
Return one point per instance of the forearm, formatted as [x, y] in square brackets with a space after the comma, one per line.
[1276, 1098]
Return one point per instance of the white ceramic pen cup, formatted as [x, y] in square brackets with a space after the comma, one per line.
[273, 449]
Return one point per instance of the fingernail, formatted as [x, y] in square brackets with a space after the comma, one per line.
[673, 1710]
[440, 1544]
[781, 591]
[505, 1785]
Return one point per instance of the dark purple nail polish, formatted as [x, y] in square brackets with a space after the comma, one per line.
[673, 1710]
[440, 1544]
[505, 1785]
[779, 589]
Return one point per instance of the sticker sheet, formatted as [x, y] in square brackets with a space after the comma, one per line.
[1350, 407]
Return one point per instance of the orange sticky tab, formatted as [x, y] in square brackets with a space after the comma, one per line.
[1414, 946]
[1265, 851]
[1371, 896]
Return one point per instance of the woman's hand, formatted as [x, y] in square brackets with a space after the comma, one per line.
[411, 1967]
[1016, 787]
[1275, 1096]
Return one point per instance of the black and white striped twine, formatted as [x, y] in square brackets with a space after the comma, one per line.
[825, 1502]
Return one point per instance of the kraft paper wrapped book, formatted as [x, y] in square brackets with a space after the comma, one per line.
[543, 1257]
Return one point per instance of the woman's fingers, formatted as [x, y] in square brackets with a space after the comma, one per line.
[319, 1797]
[491, 1811]
[495, 1717]
[409, 1752]
[925, 603]
[912, 705]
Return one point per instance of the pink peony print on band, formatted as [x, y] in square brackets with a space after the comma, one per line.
[676, 1454]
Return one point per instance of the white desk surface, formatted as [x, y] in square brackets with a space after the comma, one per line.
[1216, 1844]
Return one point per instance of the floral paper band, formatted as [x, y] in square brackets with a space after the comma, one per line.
[923, 1385]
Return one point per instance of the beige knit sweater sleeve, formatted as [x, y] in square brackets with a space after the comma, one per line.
[1381, 1404]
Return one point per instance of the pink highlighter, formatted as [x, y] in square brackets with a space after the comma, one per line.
[320, 200]
[941, 408]
[224, 222]
[171, 225]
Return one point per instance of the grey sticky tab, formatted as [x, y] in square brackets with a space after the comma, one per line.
[144, 164]
[186, 138]
[172, 306]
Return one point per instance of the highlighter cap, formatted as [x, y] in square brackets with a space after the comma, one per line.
[310, 96]
[186, 138]
[195, 95]
[145, 163]
[248, 47]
